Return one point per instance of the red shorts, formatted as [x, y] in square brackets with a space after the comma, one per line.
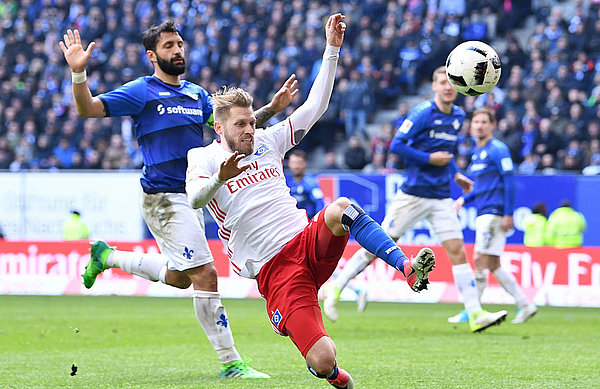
[292, 278]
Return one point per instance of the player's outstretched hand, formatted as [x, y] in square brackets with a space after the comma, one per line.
[229, 167]
[440, 158]
[76, 57]
[334, 30]
[465, 183]
[285, 94]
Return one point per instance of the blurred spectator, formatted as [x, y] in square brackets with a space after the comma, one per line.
[565, 227]
[514, 102]
[356, 104]
[19, 164]
[573, 157]
[381, 142]
[377, 164]
[528, 137]
[547, 164]
[410, 61]
[355, 156]
[474, 29]
[330, 162]
[534, 226]
[401, 115]
[529, 164]
[594, 167]
[64, 153]
[74, 228]
[546, 141]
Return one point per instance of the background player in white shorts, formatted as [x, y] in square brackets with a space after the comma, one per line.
[169, 115]
[494, 197]
[427, 140]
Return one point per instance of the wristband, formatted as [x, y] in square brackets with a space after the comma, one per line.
[78, 78]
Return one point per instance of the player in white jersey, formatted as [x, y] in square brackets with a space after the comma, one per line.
[240, 179]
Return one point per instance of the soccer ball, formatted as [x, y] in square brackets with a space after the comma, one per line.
[473, 68]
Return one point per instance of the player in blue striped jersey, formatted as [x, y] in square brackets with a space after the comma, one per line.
[493, 196]
[427, 140]
[169, 115]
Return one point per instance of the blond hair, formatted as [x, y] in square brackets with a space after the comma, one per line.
[485, 111]
[438, 70]
[228, 97]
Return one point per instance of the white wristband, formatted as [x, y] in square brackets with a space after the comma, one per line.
[78, 78]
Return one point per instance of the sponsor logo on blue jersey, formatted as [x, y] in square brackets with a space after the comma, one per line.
[442, 135]
[178, 110]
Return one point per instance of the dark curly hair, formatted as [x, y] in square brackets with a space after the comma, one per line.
[151, 35]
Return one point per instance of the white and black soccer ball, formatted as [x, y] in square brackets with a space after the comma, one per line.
[473, 68]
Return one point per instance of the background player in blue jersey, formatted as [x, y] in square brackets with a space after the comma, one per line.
[427, 140]
[169, 114]
[493, 196]
[303, 187]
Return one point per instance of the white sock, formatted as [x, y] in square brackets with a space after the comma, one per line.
[215, 323]
[481, 279]
[465, 281]
[509, 283]
[148, 266]
[359, 262]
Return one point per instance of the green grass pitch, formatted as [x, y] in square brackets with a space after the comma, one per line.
[135, 342]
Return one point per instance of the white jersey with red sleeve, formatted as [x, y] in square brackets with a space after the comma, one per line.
[255, 212]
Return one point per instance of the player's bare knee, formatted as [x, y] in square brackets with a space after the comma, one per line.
[204, 277]
[343, 203]
[177, 279]
[323, 362]
[336, 209]
[321, 356]
[455, 250]
[333, 215]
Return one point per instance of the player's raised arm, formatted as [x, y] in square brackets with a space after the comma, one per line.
[77, 59]
[317, 101]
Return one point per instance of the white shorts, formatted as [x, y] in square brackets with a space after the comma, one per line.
[490, 237]
[177, 228]
[406, 210]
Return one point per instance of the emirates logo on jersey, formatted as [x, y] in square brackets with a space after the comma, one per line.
[252, 178]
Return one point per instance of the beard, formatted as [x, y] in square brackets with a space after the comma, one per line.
[170, 67]
[246, 148]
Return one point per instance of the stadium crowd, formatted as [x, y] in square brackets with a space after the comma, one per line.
[547, 100]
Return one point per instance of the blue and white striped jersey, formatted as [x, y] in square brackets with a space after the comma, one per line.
[492, 172]
[425, 130]
[168, 121]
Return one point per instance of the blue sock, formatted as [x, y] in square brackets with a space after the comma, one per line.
[369, 234]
